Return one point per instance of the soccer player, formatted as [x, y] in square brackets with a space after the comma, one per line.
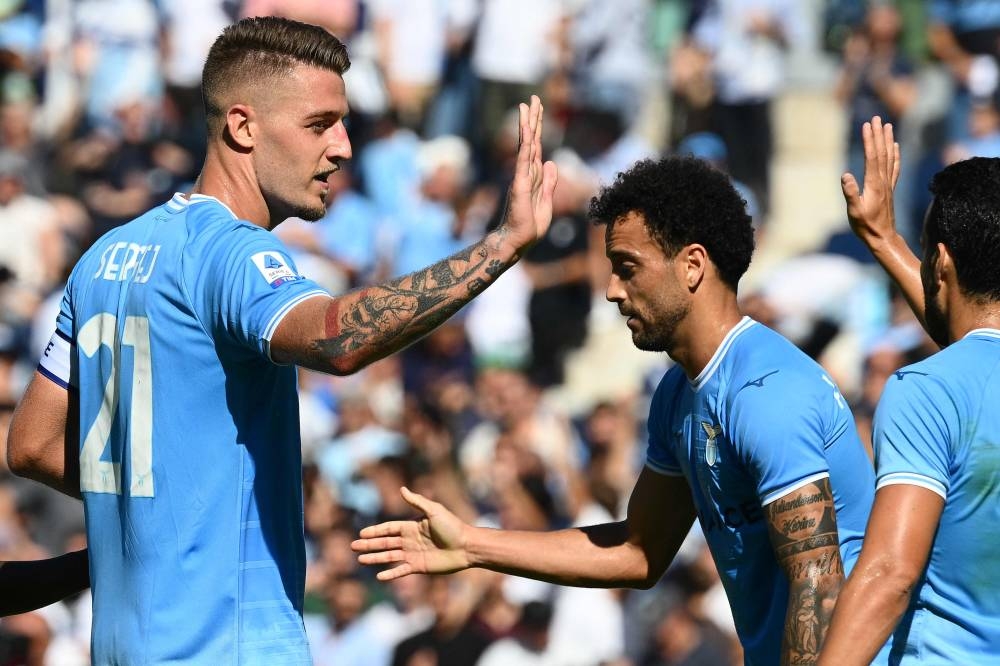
[25, 586]
[927, 576]
[167, 397]
[746, 433]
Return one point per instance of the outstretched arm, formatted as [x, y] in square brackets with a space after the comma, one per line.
[632, 553]
[872, 215]
[343, 334]
[25, 586]
[898, 542]
[803, 528]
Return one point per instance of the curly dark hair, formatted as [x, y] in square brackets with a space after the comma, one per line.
[683, 200]
[965, 217]
[261, 47]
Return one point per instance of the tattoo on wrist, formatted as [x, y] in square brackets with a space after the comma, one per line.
[406, 308]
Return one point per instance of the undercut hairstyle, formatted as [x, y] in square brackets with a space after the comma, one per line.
[965, 218]
[259, 48]
[683, 200]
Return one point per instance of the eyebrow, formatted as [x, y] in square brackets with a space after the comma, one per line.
[326, 115]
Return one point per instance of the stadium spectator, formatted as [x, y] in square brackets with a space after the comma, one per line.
[217, 302]
[782, 489]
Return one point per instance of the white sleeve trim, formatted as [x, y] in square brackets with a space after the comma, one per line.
[272, 325]
[913, 479]
[778, 494]
[663, 469]
[55, 360]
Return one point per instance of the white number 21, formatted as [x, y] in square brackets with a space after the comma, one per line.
[96, 475]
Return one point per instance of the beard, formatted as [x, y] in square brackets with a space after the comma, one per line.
[935, 320]
[657, 335]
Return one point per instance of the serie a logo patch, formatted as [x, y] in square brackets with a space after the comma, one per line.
[274, 268]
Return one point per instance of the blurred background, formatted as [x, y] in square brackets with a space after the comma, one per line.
[527, 409]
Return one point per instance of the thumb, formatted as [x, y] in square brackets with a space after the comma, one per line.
[417, 501]
[849, 185]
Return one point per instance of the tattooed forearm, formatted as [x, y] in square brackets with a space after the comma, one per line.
[803, 531]
[375, 321]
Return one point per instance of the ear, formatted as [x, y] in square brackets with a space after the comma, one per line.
[944, 265]
[240, 125]
[693, 265]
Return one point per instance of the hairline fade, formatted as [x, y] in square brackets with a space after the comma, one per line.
[260, 48]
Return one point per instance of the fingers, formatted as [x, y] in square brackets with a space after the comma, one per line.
[392, 528]
[878, 137]
[871, 163]
[384, 557]
[890, 153]
[852, 193]
[536, 143]
[396, 572]
[895, 164]
[417, 501]
[371, 545]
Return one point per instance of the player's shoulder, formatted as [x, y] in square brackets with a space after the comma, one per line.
[764, 362]
[959, 372]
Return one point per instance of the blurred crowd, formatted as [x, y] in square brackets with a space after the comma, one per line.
[526, 411]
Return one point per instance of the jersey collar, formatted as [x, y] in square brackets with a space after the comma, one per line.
[720, 353]
[180, 201]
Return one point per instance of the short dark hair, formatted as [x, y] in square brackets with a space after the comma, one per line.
[965, 217]
[684, 200]
[262, 47]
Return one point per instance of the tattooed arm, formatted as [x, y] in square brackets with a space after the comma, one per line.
[344, 334]
[898, 542]
[803, 528]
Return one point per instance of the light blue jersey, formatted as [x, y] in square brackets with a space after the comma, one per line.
[189, 449]
[937, 426]
[761, 421]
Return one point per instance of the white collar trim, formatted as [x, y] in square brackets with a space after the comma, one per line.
[720, 353]
[179, 202]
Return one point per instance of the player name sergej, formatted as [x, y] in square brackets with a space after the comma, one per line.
[127, 261]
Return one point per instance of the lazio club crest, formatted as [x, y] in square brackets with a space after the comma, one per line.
[711, 448]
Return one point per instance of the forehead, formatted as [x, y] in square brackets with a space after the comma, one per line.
[305, 90]
[629, 236]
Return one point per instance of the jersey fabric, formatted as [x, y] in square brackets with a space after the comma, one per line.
[937, 427]
[190, 465]
[761, 421]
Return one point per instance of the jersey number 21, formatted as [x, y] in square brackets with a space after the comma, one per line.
[96, 475]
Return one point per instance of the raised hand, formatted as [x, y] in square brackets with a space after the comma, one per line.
[435, 544]
[870, 210]
[529, 200]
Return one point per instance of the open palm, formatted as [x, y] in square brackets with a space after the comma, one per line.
[529, 200]
[434, 544]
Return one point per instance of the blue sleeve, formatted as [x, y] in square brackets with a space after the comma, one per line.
[779, 429]
[58, 360]
[660, 455]
[915, 424]
[250, 283]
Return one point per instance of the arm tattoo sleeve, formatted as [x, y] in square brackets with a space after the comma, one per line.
[370, 323]
[803, 528]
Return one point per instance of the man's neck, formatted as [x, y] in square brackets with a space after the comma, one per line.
[970, 315]
[234, 185]
[701, 333]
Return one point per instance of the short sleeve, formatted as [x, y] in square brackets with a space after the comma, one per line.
[914, 427]
[660, 455]
[250, 286]
[58, 359]
[778, 429]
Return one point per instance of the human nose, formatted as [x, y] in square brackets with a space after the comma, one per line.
[615, 291]
[339, 147]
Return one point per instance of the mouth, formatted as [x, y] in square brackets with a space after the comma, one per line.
[324, 176]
